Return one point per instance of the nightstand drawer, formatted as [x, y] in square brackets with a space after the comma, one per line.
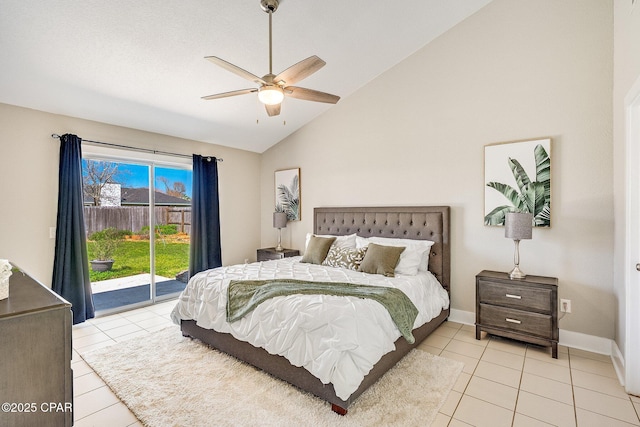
[516, 296]
[516, 320]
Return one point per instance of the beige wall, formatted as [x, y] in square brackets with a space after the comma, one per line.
[415, 136]
[29, 184]
[626, 73]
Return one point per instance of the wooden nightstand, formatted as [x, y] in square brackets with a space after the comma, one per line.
[266, 254]
[522, 309]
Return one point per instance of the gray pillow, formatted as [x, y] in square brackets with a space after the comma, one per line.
[381, 259]
[317, 249]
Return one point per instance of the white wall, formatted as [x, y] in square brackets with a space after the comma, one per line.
[29, 184]
[415, 136]
[626, 73]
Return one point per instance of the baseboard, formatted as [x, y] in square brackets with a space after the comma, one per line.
[567, 338]
[464, 317]
[585, 342]
[618, 362]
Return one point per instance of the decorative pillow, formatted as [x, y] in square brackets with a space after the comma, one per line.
[381, 259]
[344, 257]
[348, 241]
[317, 249]
[415, 258]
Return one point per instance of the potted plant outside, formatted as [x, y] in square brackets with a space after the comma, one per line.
[105, 243]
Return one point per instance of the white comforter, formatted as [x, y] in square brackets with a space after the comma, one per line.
[337, 339]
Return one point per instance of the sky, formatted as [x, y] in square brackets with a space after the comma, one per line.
[132, 175]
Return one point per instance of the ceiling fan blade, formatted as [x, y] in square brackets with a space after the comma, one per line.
[299, 71]
[273, 110]
[310, 95]
[235, 69]
[228, 94]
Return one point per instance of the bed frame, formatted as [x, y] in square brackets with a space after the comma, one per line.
[415, 222]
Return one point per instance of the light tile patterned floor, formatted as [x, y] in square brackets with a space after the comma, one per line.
[504, 382]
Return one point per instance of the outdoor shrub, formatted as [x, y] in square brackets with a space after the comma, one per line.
[110, 233]
[105, 242]
[167, 229]
[161, 230]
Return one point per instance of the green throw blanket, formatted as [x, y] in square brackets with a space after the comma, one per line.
[243, 296]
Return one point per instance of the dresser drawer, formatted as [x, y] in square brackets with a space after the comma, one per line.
[540, 325]
[516, 296]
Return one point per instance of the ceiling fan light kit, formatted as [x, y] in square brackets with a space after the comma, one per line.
[270, 95]
[274, 88]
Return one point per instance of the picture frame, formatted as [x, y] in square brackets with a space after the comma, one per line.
[517, 178]
[287, 193]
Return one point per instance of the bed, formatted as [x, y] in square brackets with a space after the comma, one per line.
[421, 223]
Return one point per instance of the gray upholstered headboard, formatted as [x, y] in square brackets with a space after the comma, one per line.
[411, 222]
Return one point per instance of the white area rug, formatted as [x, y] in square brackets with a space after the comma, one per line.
[169, 380]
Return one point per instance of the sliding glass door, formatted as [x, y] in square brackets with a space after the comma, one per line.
[172, 208]
[137, 217]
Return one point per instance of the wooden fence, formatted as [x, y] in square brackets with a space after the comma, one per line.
[133, 218]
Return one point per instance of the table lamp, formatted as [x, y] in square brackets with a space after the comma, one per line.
[279, 222]
[517, 226]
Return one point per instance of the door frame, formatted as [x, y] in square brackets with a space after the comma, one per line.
[632, 240]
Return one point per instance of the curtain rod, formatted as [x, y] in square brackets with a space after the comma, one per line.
[144, 150]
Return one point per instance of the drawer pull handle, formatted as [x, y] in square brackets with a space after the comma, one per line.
[513, 296]
[513, 321]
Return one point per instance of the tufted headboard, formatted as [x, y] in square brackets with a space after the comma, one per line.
[412, 222]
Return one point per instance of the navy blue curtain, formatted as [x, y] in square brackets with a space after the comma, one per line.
[205, 251]
[71, 265]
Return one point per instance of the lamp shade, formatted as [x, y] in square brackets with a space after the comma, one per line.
[518, 225]
[279, 220]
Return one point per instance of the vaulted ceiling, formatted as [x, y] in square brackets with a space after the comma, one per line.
[140, 64]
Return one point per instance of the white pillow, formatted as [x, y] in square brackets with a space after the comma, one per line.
[413, 258]
[362, 242]
[340, 242]
[424, 264]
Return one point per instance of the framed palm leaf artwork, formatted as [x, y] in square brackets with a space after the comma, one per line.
[517, 178]
[288, 193]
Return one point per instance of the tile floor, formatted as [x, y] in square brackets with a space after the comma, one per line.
[503, 383]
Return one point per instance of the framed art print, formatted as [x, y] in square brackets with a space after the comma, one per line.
[517, 177]
[288, 193]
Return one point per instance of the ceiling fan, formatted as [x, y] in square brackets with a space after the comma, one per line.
[273, 88]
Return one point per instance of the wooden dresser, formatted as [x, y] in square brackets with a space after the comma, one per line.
[522, 309]
[36, 381]
[266, 254]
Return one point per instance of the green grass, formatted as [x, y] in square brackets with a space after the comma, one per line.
[132, 257]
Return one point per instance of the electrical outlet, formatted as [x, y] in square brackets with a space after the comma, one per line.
[565, 305]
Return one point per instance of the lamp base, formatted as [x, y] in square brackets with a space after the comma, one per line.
[516, 273]
[279, 247]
